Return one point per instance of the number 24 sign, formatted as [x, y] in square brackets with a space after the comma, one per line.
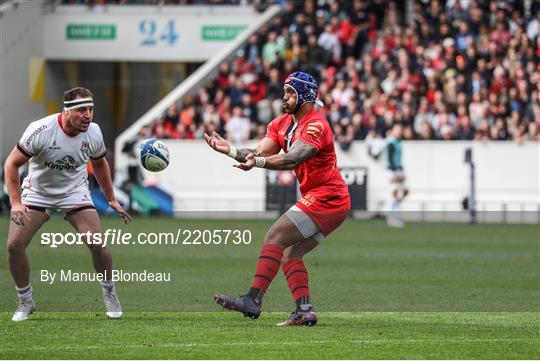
[154, 33]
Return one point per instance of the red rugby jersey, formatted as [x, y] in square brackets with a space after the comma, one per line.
[321, 171]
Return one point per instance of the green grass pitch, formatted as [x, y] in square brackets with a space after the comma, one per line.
[430, 290]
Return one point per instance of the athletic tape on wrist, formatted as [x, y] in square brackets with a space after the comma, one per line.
[260, 162]
[232, 152]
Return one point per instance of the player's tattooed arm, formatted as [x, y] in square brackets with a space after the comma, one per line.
[242, 153]
[265, 148]
[299, 153]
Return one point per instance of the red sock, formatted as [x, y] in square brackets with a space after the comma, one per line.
[297, 278]
[267, 266]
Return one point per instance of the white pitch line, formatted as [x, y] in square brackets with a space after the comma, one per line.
[289, 343]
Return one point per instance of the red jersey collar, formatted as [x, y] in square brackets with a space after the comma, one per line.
[62, 127]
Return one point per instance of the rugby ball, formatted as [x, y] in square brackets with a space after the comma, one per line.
[153, 155]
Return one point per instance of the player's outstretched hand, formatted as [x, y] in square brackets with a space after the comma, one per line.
[20, 214]
[121, 211]
[217, 143]
[248, 164]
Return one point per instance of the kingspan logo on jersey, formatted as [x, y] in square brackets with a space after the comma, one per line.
[67, 162]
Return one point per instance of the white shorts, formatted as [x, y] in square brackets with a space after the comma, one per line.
[396, 179]
[69, 204]
[305, 225]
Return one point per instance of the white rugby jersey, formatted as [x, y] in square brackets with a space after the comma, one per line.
[58, 162]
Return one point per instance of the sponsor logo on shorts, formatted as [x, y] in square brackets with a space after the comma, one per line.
[67, 162]
[308, 200]
[33, 135]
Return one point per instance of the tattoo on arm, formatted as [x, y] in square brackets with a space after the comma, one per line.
[242, 154]
[299, 153]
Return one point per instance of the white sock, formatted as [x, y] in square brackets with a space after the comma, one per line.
[25, 292]
[393, 204]
[107, 284]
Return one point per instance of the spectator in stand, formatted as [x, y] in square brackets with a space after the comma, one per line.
[532, 132]
[499, 131]
[317, 56]
[334, 113]
[238, 127]
[251, 51]
[211, 115]
[350, 109]
[222, 77]
[344, 133]
[446, 132]
[406, 115]
[273, 49]
[464, 130]
[257, 88]
[202, 98]
[237, 91]
[532, 109]
[482, 131]
[426, 132]
[408, 133]
[188, 116]
[388, 85]
[249, 110]
[224, 109]
[275, 92]
[183, 132]
[159, 130]
[330, 42]
[478, 109]
[443, 119]
[342, 93]
[171, 117]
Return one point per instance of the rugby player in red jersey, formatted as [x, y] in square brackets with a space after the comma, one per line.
[308, 144]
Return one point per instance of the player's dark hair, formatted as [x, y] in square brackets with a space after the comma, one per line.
[73, 93]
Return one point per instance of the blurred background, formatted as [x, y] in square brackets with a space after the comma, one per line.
[460, 76]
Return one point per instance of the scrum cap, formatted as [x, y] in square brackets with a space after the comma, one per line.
[305, 87]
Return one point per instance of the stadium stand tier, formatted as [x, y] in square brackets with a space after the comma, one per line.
[460, 70]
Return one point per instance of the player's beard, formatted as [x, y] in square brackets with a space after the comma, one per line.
[286, 108]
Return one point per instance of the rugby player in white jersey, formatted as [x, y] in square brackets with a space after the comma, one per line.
[58, 148]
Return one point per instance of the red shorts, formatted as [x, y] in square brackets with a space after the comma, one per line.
[327, 210]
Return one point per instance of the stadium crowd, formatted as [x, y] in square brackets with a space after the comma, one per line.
[154, 2]
[459, 70]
